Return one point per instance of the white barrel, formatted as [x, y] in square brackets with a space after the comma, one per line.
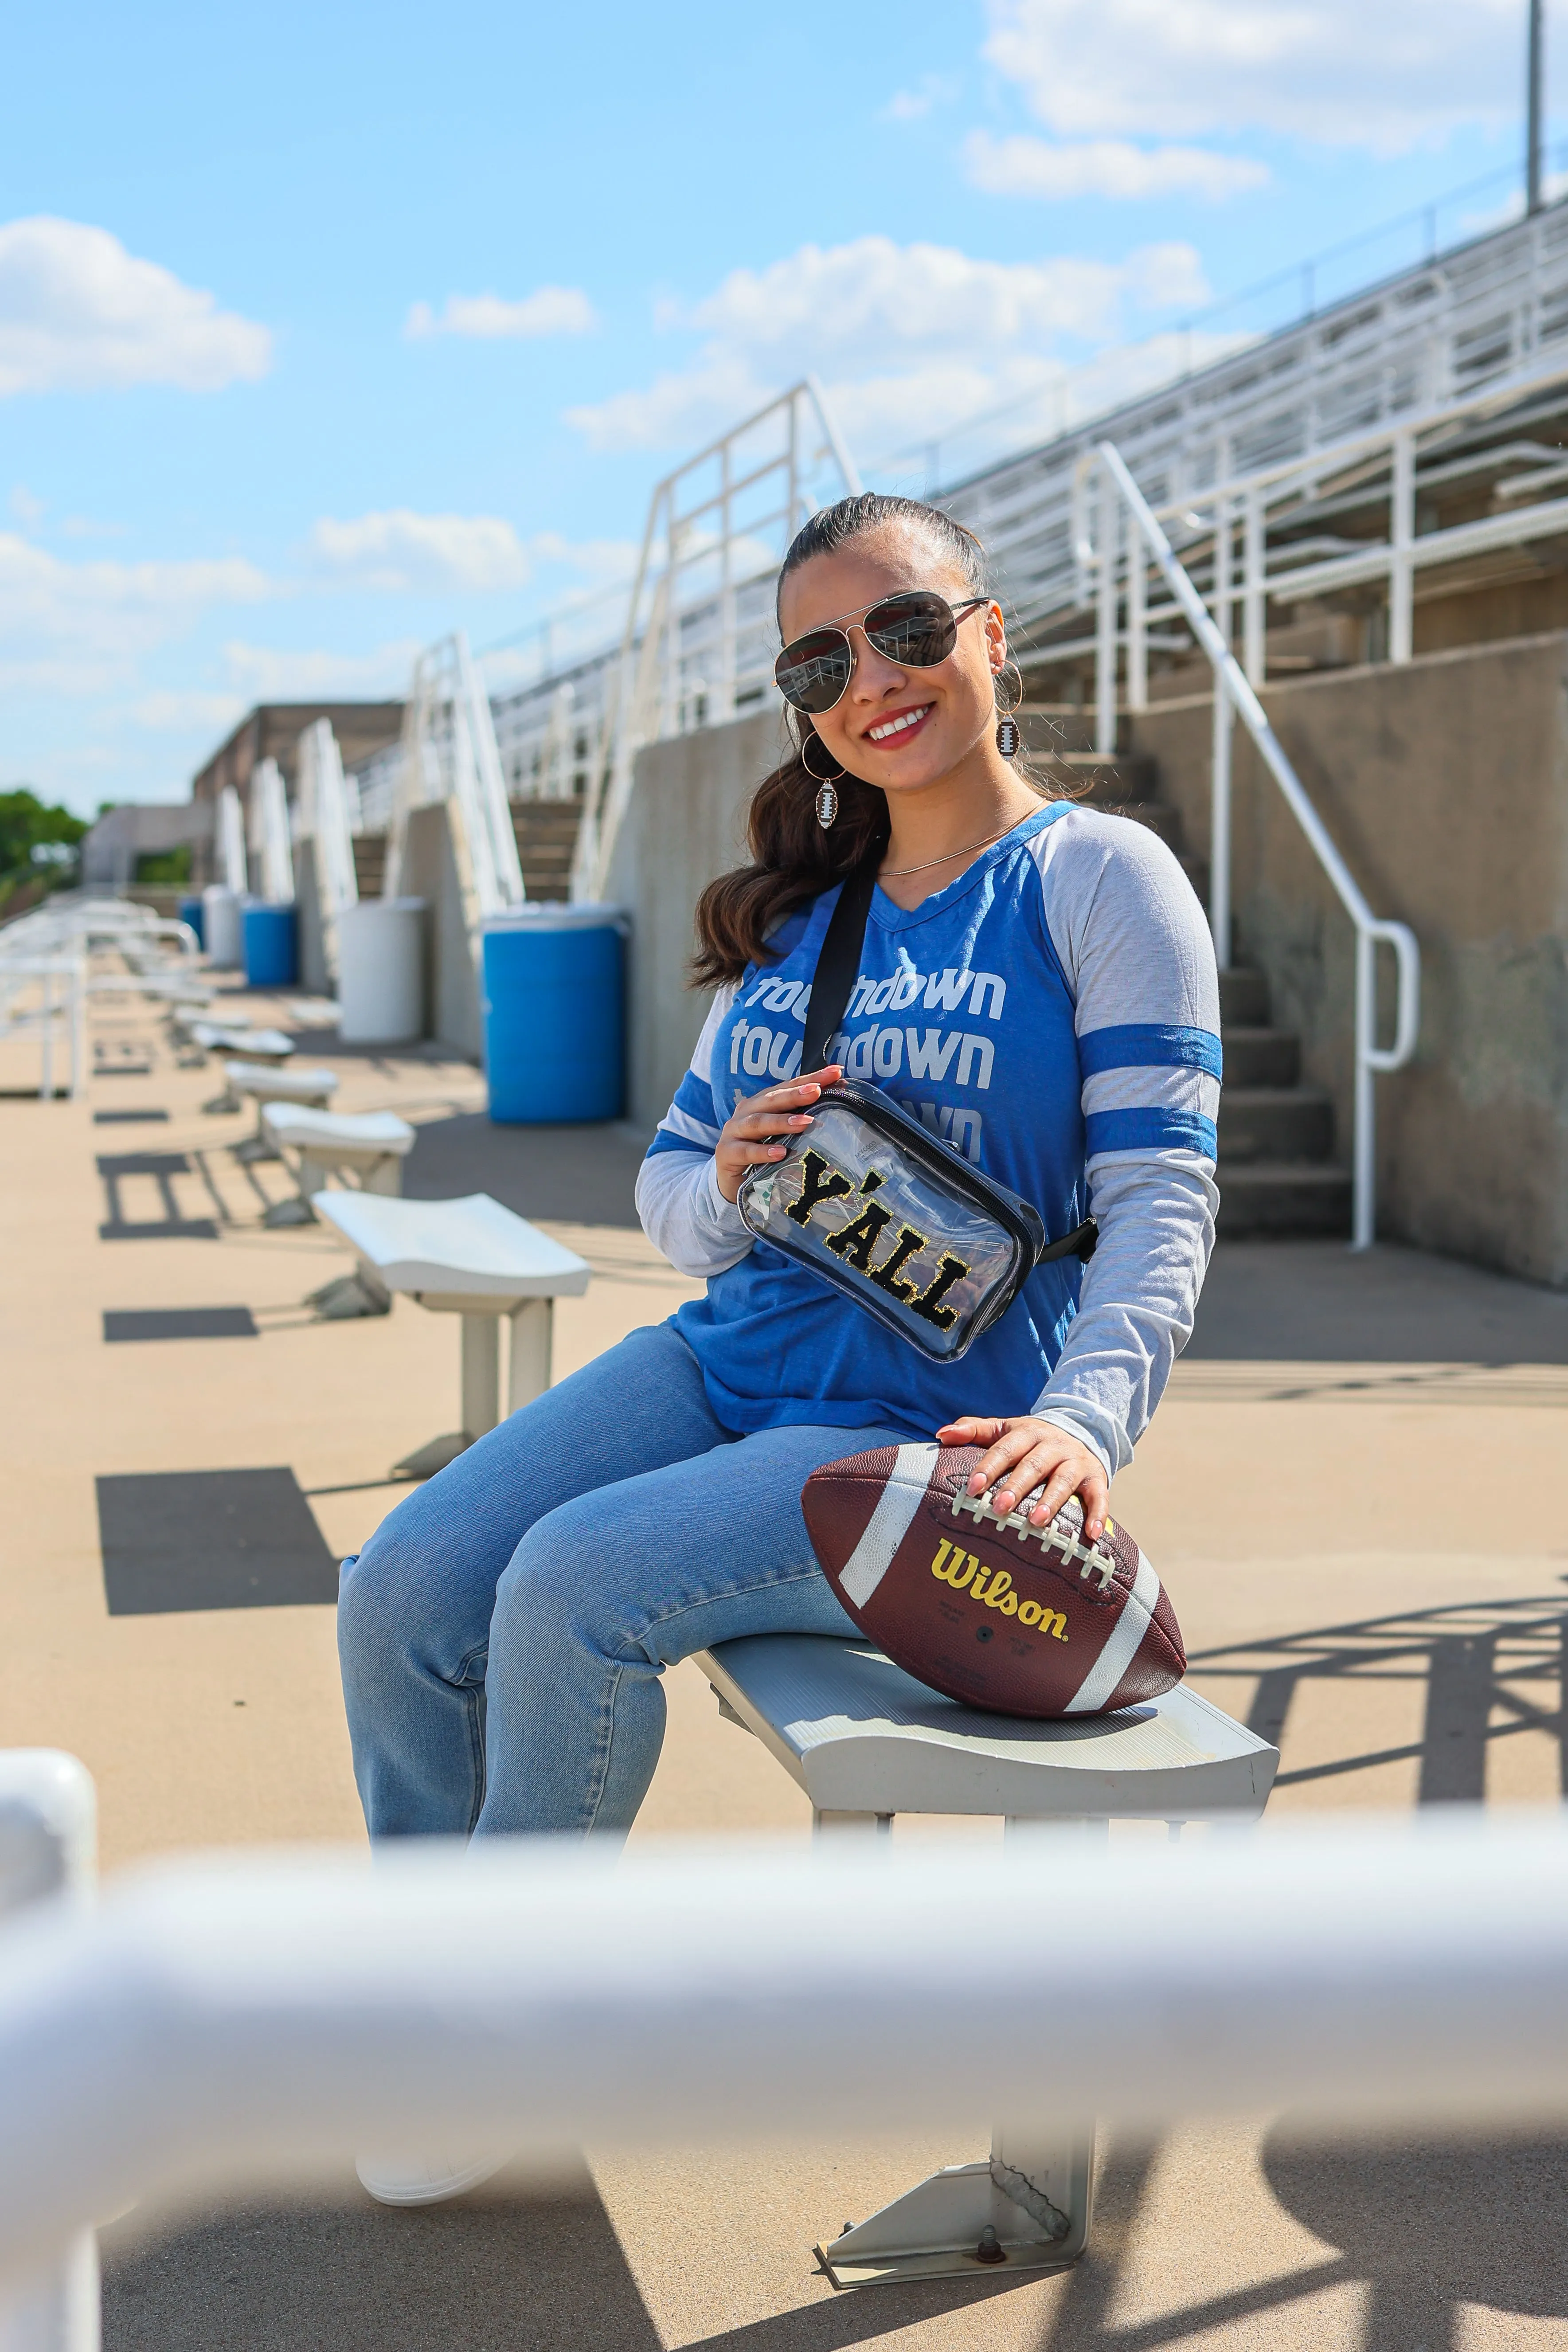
[380, 972]
[223, 927]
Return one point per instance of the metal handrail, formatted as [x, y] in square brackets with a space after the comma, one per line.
[1234, 693]
[222, 2022]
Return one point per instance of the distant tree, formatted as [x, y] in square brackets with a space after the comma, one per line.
[37, 843]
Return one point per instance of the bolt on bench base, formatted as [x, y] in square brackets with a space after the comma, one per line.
[961, 2223]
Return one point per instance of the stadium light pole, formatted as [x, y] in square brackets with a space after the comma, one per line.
[1533, 108]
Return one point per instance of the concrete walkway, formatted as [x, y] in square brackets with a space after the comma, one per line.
[1357, 1493]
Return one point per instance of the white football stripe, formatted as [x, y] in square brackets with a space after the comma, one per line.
[1122, 1647]
[889, 1523]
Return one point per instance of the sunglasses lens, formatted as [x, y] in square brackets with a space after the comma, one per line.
[917, 631]
[814, 672]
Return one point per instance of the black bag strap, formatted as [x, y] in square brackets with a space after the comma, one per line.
[838, 960]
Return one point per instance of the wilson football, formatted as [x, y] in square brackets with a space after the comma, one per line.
[1020, 1619]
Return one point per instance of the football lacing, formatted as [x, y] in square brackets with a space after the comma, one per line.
[1051, 1537]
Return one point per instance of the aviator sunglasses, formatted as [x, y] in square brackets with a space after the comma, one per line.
[917, 629]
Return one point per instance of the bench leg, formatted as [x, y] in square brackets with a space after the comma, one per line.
[834, 1825]
[533, 1325]
[482, 1374]
[1024, 2207]
[384, 1176]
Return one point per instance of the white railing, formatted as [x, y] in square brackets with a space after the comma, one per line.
[267, 832]
[37, 992]
[221, 2025]
[1445, 335]
[324, 822]
[699, 641]
[1234, 696]
[449, 752]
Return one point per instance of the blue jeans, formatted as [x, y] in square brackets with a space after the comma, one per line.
[503, 1632]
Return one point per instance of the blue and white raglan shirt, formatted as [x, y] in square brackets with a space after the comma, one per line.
[1054, 1013]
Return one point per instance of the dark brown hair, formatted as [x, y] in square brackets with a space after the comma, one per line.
[794, 858]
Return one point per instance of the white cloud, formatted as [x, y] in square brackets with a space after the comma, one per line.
[1382, 78]
[77, 313]
[914, 105]
[908, 338]
[80, 627]
[267, 674]
[1021, 166]
[416, 554]
[552, 311]
[29, 509]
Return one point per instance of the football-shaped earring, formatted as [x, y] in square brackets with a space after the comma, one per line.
[1007, 737]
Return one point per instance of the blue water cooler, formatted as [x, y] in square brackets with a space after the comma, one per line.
[271, 951]
[555, 1014]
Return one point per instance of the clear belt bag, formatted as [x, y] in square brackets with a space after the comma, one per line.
[873, 1202]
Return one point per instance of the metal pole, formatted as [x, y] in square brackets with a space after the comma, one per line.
[1401, 570]
[46, 1040]
[1137, 624]
[1533, 107]
[1219, 825]
[1364, 1147]
[1105, 636]
[1254, 639]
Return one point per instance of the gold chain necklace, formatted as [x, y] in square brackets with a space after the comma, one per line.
[896, 873]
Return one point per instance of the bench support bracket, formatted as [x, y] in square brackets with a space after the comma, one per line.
[963, 2224]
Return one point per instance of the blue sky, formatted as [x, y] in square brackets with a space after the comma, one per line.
[324, 330]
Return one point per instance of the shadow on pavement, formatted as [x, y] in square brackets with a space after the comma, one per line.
[1314, 1302]
[543, 2273]
[1483, 1663]
[574, 1175]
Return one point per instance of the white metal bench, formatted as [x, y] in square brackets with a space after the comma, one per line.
[255, 1045]
[474, 1258]
[266, 1082]
[370, 1146]
[866, 1741]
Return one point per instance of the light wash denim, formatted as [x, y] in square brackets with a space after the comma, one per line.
[503, 1632]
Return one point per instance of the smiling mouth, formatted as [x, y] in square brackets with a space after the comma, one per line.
[891, 730]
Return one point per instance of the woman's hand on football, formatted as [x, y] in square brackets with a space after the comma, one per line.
[748, 1138]
[1022, 1454]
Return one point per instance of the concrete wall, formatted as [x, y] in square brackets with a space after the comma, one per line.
[109, 848]
[430, 871]
[1446, 785]
[686, 824]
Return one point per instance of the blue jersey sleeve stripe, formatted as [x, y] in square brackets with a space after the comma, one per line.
[694, 1095]
[1150, 1045]
[1150, 1131]
[665, 1141]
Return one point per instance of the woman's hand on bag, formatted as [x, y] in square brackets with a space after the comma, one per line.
[1022, 1454]
[747, 1138]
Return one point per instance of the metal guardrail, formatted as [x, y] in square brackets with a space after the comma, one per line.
[239, 2019]
[1233, 695]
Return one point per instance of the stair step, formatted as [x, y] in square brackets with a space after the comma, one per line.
[1244, 999]
[370, 863]
[1274, 1123]
[1284, 1197]
[1261, 1057]
[546, 833]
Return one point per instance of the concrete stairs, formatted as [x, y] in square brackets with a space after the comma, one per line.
[546, 834]
[370, 863]
[1276, 1170]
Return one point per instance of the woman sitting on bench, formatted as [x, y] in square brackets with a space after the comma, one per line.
[1037, 986]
